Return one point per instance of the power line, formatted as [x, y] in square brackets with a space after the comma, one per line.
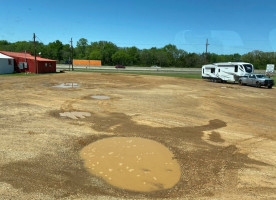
[39, 39]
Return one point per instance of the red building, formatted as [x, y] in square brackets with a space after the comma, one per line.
[25, 62]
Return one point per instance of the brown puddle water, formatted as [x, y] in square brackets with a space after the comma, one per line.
[132, 163]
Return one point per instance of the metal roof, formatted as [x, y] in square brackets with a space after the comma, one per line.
[24, 55]
[4, 56]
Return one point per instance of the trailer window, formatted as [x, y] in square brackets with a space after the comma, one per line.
[248, 68]
[212, 70]
[236, 68]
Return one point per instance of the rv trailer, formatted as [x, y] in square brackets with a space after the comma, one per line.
[228, 71]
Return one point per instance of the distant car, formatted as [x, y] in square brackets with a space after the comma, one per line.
[257, 80]
[120, 66]
[155, 66]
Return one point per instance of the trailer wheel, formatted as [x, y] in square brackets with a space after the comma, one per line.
[240, 82]
[258, 85]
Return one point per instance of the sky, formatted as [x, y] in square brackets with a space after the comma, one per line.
[231, 26]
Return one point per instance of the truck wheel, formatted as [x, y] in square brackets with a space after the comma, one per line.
[258, 85]
[240, 82]
[269, 87]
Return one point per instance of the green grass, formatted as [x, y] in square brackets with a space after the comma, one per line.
[195, 76]
[18, 74]
[26, 74]
[168, 74]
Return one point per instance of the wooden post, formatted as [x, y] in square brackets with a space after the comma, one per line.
[36, 71]
[72, 54]
[206, 51]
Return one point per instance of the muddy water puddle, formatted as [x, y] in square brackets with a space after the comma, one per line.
[101, 97]
[132, 163]
[67, 85]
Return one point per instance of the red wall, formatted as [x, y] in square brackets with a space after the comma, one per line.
[50, 68]
[31, 66]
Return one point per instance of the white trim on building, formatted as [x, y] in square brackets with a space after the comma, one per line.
[6, 64]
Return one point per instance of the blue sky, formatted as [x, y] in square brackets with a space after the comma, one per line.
[233, 26]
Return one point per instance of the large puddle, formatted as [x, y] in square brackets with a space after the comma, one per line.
[67, 85]
[132, 163]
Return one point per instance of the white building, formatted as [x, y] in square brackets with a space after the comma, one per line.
[6, 64]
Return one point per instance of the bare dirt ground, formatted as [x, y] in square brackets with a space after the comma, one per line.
[222, 135]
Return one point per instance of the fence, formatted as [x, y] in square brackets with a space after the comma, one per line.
[87, 62]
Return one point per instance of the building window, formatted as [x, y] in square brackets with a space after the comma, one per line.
[10, 61]
[50, 64]
[46, 64]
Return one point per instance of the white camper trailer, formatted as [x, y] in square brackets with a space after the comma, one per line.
[223, 72]
[6, 64]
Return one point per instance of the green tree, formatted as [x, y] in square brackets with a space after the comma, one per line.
[173, 54]
[55, 50]
[81, 48]
[96, 55]
[121, 57]
[134, 55]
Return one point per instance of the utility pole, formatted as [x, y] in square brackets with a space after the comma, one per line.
[72, 53]
[206, 50]
[35, 55]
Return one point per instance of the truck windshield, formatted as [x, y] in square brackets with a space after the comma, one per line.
[248, 68]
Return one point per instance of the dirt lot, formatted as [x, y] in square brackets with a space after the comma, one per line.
[223, 136]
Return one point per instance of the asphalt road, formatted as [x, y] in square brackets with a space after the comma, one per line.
[136, 69]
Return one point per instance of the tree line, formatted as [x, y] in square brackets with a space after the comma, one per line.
[110, 54]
